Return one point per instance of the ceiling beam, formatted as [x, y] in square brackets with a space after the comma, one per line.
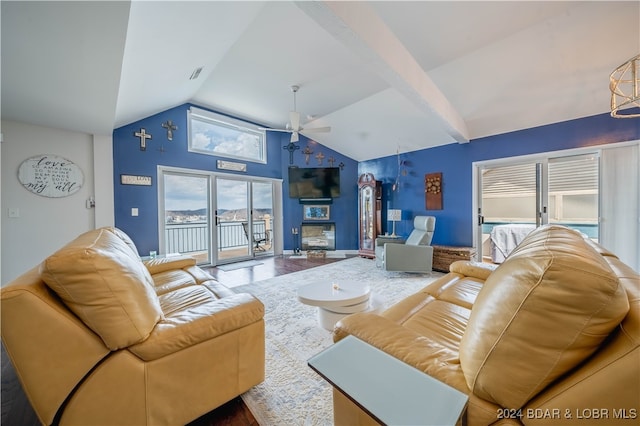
[360, 29]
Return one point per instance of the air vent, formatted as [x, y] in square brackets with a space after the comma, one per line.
[195, 73]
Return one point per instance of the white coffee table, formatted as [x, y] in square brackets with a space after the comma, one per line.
[336, 300]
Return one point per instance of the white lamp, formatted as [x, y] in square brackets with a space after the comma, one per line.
[394, 215]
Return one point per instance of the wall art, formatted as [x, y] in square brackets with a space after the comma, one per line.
[433, 191]
[50, 176]
[135, 180]
[230, 165]
[319, 212]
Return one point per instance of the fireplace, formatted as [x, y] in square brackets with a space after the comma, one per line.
[318, 236]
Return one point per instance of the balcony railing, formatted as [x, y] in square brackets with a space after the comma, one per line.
[193, 236]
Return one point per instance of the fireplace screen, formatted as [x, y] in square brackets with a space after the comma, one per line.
[318, 236]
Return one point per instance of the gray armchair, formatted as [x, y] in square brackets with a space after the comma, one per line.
[413, 255]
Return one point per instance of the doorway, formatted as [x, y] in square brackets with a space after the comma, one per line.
[244, 219]
[217, 218]
[515, 196]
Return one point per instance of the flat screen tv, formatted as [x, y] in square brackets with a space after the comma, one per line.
[314, 182]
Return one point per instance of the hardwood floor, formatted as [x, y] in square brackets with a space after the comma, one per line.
[270, 267]
[17, 411]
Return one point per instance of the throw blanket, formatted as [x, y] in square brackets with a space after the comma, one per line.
[504, 238]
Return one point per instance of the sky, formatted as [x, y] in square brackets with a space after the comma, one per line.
[219, 138]
[190, 193]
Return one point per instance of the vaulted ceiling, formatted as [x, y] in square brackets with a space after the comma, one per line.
[385, 75]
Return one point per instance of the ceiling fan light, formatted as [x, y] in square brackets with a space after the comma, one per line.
[624, 83]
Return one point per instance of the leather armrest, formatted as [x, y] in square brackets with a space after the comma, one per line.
[473, 269]
[162, 264]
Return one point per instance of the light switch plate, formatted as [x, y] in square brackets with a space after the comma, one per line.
[134, 211]
[14, 212]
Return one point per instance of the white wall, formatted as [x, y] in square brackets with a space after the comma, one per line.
[45, 224]
[620, 205]
[103, 180]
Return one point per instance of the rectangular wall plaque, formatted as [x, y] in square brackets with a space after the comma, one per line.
[433, 191]
[135, 180]
[230, 165]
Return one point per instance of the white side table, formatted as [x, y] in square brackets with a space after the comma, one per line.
[386, 388]
[337, 300]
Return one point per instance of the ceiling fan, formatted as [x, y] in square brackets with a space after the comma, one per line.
[293, 126]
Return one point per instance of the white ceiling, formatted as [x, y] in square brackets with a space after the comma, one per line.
[385, 75]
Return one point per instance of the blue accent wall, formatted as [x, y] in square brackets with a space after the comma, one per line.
[130, 160]
[454, 223]
[343, 209]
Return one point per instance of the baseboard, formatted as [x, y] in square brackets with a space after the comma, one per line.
[330, 253]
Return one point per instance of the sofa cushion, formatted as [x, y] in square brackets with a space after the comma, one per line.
[175, 279]
[102, 281]
[194, 315]
[543, 311]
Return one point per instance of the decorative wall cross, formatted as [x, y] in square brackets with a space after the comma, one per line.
[307, 152]
[319, 157]
[170, 128]
[143, 135]
[291, 148]
[331, 161]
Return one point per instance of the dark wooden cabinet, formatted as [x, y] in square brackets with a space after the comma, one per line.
[369, 214]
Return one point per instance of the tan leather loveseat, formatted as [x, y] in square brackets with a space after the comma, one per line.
[551, 336]
[97, 336]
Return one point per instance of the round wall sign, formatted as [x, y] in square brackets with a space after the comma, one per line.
[50, 176]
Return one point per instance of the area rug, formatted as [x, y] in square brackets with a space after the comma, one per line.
[238, 265]
[292, 393]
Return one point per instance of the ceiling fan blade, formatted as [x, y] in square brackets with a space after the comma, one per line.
[318, 129]
[294, 137]
[294, 118]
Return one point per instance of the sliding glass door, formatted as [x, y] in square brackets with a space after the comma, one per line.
[185, 203]
[216, 218]
[509, 207]
[574, 192]
[232, 205]
[516, 197]
[244, 218]
[262, 217]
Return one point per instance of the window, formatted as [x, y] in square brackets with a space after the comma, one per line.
[215, 134]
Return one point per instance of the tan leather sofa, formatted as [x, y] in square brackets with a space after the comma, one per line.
[551, 336]
[98, 336]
